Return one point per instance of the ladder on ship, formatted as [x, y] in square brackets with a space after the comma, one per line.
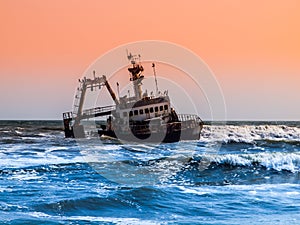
[77, 100]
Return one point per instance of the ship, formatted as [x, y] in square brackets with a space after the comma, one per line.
[137, 118]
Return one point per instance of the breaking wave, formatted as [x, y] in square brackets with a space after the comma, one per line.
[276, 161]
[250, 133]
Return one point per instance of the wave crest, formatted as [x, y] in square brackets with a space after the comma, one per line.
[250, 133]
[276, 161]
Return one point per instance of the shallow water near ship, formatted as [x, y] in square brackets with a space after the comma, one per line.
[251, 177]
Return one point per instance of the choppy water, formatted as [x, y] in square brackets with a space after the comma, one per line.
[239, 173]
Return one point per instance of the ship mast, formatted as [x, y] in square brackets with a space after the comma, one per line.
[154, 72]
[136, 75]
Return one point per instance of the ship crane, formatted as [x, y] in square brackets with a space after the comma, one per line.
[78, 112]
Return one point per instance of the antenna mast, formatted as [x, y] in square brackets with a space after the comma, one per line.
[118, 89]
[153, 66]
[136, 75]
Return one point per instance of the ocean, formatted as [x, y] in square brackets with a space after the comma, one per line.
[237, 173]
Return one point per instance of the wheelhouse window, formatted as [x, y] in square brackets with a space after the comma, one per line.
[136, 112]
[161, 108]
[166, 107]
[151, 110]
[130, 113]
[156, 109]
[141, 111]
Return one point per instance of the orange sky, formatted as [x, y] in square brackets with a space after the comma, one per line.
[252, 47]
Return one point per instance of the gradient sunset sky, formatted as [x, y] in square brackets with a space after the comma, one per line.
[253, 48]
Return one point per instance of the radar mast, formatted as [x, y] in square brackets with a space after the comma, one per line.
[136, 75]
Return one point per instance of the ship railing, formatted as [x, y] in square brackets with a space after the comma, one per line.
[98, 111]
[189, 117]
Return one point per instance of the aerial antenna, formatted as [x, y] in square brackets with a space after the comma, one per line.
[118, 88]
[154, 72]
[129, 55]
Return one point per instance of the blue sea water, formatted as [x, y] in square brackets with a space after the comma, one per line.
[237, 173]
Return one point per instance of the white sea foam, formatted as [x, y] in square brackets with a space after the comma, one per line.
[292, 193]
[41, 160]
[277, 161]
[56, 148]
[195, 190]
[6, 207]
[287, 191]
[24, 175]
[2, 189]
[249, 133]
[261, 187]
[115, 220]
[253, 189]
